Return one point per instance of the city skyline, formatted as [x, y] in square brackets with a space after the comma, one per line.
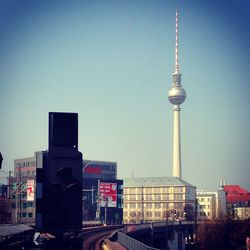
[112, 63]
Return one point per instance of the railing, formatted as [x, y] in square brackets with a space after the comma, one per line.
[131, 243]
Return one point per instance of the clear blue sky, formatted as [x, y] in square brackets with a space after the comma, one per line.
[112, 63]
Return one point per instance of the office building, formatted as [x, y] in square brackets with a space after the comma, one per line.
[102, 192]
[21, 190]
[157, 199]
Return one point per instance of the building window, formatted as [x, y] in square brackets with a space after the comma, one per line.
[148, 190]
[180, 205]
[24, 205]
[178, 197]
[30, 215]
[133, 190]
[24, 215]
[157, 190]
[157, 205]
[157, 197]
[157, 214]
[166, 197]
[132, 197]
[132, 214]
[132, 206]
[139, 197]
[30, 204]
[166, 189]
[149, 205]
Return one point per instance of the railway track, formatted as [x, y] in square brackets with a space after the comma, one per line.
[93, 238]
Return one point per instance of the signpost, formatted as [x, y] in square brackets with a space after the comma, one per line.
[107, 192]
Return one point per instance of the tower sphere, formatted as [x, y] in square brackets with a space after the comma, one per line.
[176, 95]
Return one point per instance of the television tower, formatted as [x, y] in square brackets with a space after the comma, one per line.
[176, 95]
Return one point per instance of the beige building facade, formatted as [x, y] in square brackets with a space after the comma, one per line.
[206, 205]
[157, 199]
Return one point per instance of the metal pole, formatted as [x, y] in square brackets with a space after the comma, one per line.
[105, 215]
[166, 228]
[92, 195]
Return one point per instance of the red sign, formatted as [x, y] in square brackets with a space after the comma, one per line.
[30, 190]
[92, 170]
[108, 193]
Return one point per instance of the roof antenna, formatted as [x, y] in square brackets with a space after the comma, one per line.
[176, 44]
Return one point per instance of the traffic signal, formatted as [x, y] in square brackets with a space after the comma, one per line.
[59, 182]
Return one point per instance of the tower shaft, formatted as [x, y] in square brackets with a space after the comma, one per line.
[177, 143]
[176, 96]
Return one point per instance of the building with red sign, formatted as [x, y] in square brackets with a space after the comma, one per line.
[102, 192]
[22, 209]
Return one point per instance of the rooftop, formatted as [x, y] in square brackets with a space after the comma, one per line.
[235, 193]
[155, 181]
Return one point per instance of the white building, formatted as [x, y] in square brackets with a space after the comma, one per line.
[206, 205]
[211, 205]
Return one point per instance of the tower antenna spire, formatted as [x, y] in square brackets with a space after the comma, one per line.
[176, 43]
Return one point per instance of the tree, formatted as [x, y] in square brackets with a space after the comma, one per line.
[224, 234]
